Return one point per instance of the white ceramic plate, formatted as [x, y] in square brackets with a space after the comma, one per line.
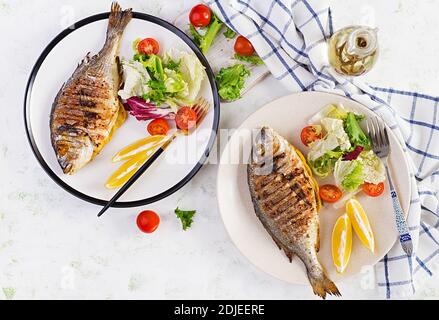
[181, 160]
[288, 116]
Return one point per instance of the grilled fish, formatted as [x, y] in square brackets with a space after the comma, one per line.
[285, 200]
[87, 109]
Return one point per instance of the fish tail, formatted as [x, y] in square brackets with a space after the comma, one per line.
[118, 20]
[322, 285]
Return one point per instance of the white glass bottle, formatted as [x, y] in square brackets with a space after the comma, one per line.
[353, 50]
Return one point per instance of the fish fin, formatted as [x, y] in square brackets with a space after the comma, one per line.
[289, 255]
[118, 20]
[287, 252]
[317, 246]
[323, 285]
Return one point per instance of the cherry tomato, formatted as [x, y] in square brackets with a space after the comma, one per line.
[244, 47]
[186, 118]
[148, 221]
[148, 46]
[310, 134]
[373, 190]
[158, 127]
[330, 193]
[200, 15]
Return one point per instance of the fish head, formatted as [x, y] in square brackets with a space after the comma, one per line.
[72, 155]
[265, 148]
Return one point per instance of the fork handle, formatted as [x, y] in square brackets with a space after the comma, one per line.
[401, 224]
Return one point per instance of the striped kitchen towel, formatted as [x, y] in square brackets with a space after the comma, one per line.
[290, 36]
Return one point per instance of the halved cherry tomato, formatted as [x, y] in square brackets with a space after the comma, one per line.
[330, 193]
[185, 118]
[373, 190]
[158, 127]
[148, 46]
[244, 47]
[148, 221]
[310, 134]
[200, 15]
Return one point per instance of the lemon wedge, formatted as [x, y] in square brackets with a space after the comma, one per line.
[361, 224]
[342, 243]
[145, 145]
[127, 170]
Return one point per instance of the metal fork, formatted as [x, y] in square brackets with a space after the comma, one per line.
[381, 146]
[201, 107]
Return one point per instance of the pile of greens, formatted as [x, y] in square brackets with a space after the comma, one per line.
[231, 80]
[345, 150]
[174, 79]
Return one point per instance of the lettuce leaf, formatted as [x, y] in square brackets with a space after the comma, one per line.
[253, 59]
[356, 135]
[349, 174]
[174, 80]
[135, 78]
[190, 71]
[231, 80]
[335, 137]
[324, 165]
[374, 171]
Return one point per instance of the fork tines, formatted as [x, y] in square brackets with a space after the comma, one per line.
[201, 107]
[378, 135]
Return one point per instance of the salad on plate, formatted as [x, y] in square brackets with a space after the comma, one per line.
[157, 86]
[339, 147]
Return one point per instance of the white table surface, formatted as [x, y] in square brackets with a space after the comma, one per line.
[53, 246]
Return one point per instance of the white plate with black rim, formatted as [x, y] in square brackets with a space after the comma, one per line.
[288, 116]
[177, 166]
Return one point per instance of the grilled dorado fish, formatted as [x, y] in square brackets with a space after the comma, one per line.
[87, 110]
[285, 200]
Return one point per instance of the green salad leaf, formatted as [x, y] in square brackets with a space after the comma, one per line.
[324, 165]
[349, 174]
[335, 139]
[336, 112]
[186, 217]
[229, 33]
[172, 65]
[231, 80]
[135, 77]
[253, 59]
[204, 42]
[356, 135]
[175, 80]
[374, 171]
[153, 65]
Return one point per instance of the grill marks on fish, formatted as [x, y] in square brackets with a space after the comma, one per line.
[87, 110]
[285, 201]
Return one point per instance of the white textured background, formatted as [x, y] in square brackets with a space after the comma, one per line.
[53, 246]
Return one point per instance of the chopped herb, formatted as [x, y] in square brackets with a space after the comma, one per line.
[253, 59]
[186, 217]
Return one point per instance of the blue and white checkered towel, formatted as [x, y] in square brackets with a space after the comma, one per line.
[290, 36]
